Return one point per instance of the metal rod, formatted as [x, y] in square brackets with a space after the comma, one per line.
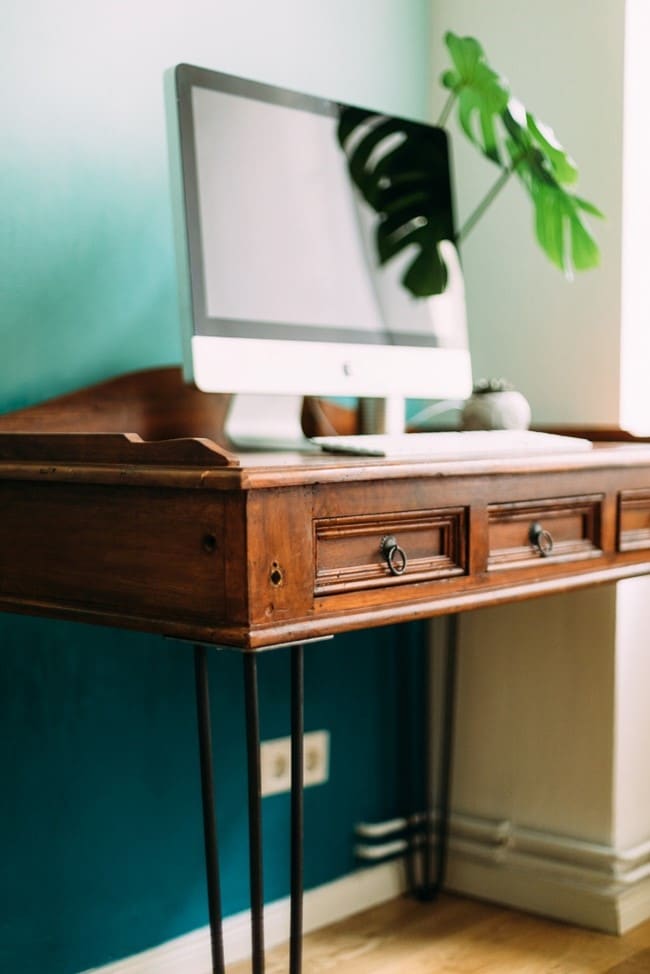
[446, 748]
[427, 889]
[297, 806]
[436, 828]
[405, 747]
[436, 833]
[254, 812]
[209, 810]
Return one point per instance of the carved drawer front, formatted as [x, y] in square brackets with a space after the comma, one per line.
[634, 520]
[528, 532]
[389, 549]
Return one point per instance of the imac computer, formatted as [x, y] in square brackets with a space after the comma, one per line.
[281, 292]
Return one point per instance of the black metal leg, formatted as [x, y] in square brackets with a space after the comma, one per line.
[427, 889]
[254, 811]
[436, 830]
[209, 812]
[407, 799]
[297, 807]
[446, 750]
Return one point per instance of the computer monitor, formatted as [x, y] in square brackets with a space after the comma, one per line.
[280, 288]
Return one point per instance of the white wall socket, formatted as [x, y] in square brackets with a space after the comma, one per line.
[275, 758]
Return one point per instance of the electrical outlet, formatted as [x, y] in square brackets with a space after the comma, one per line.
[316, 758]
[275, 759]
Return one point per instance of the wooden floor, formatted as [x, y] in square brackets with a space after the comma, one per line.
[460, 936]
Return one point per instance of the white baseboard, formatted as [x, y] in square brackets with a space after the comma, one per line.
[586, 883]
[326, 904]
[589, 884]
[525, 889]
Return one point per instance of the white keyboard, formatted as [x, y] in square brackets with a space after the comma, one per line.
[461, 445]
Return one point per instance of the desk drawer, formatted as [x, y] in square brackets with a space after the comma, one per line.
[634, 520]
[550, 530]
[377, 550]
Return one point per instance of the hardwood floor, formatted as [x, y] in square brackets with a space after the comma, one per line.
[460, 936]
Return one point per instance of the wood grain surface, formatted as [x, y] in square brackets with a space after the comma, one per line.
[460, 936]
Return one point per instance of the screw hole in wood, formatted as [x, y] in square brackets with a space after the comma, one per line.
[209, 543]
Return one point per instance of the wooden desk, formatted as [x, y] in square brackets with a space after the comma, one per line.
[176, 538]
[181, 537]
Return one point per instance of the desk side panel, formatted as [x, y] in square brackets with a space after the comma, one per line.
[148, 558]
[281, 556]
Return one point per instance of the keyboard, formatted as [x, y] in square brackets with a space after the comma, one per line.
[456, 445]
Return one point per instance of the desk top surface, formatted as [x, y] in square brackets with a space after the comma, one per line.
[151, 426]
[196, 461]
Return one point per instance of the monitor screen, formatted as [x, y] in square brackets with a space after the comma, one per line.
[281, 288]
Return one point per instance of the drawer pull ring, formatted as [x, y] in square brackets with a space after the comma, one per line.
[395, 556]
[541, 539]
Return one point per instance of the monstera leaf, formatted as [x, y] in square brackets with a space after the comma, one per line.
[545, 169]
[482, 94]
[512, 137]
[401, 170]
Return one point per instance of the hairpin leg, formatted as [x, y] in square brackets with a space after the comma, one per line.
[297, 807]
[408, 798]
[209, 812]
[254, 811]
[431, 885]
[446, 750]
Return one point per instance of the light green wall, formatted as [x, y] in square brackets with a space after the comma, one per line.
[557, 341]
[100, 811]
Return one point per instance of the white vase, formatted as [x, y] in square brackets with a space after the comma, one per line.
[505, 410]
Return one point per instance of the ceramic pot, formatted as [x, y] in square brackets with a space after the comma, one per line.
[506, 410]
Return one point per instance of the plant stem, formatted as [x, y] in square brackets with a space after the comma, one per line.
[489, 197]
[446, 111]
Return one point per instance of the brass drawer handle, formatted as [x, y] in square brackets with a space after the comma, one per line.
[395, 556]
[541, 539]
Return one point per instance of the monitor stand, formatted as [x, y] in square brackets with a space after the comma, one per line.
[256, 422]
[383, 415]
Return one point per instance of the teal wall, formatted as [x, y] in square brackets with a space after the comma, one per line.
[99, 811]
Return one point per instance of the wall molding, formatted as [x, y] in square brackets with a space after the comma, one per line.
[590, 884]
[570, 879]
[326, 904]
[587, 883]
[523, 888]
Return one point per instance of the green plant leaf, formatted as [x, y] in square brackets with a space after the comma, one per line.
[560, 229]
[401, 170]
[532, 144]
[482, 93]
[546, 169]
[559, 161]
